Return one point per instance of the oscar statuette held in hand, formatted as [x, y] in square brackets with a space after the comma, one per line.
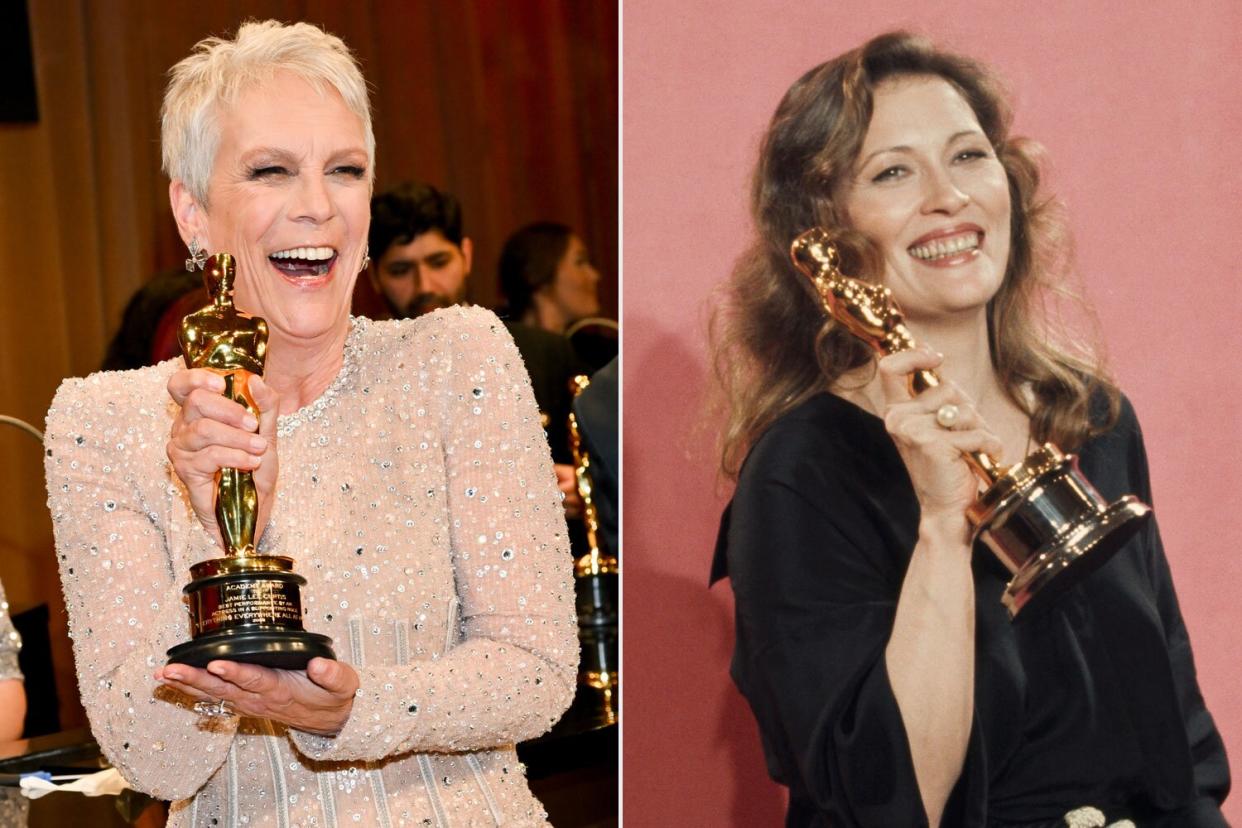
[245, 606]
[1042, 518]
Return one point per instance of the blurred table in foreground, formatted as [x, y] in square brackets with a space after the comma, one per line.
[73, 751]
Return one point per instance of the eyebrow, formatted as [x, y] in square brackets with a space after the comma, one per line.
[272, 153]
[348, 152]
[905, 148]
[288, 157]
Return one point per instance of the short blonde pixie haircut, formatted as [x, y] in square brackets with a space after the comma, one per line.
[218, 70]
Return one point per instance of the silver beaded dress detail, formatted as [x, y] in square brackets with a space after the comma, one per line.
[418, 498]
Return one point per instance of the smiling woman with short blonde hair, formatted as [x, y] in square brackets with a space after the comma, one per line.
[402, 464]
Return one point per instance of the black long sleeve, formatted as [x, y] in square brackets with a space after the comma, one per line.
[1092, 702]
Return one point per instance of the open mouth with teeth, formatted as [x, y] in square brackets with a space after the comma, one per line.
[947, 247]
[304, 262]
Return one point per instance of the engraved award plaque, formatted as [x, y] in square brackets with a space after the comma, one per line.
[1042, 518]
[245, 606]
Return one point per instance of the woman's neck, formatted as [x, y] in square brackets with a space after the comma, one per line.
[546, 315]
[301, 370]
[967, 362]
[967, 353]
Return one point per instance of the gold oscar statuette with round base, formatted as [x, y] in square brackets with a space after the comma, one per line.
[1042, 518]
[245, 606]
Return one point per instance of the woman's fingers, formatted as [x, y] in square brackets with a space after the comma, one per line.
[204, 404]
[203, 433]
[915, 416]
[333, 676]
[907, 362]
[189, 690]
[268, 402]
[317, 701]
[215, 684]
[193, 681]
[182, 383]
[212, 431]
[206, 462]
[976, 440]
[895, 368]
[251, 678]
[932, 431]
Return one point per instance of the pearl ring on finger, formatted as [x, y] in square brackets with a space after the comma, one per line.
[947, 415]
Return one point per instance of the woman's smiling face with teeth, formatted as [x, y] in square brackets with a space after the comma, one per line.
[930, 193]
[289, 196]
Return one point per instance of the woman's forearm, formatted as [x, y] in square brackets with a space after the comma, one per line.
[930, 657]
[13, 705]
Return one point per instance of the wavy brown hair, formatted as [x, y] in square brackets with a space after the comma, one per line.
[773, 346]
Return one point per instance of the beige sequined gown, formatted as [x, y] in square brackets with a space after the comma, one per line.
[418, 499]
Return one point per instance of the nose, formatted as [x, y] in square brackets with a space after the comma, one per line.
[942, 193]
[312, 201]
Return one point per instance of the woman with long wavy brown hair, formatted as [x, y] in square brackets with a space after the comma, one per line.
[889, 685]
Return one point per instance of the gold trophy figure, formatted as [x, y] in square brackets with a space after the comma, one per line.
[1042, 518]
[245, 606]
[595, 577]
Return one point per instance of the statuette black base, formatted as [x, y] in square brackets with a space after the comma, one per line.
[282, 649]
[248, 608]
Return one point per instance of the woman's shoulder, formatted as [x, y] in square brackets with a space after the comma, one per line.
[1109, 409]
[445, 329]
[1114, 420]
[437, 322]
[451, 347]
[137, 393]
[110, 422]
[1115, 459]
[825, 434]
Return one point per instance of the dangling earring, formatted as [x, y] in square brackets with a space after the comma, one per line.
[198, 257]
[366, 258]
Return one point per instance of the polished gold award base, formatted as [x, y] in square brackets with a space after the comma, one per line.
[1042, 517]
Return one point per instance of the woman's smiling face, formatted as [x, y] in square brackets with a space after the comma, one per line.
[929, 192]
[289, 197]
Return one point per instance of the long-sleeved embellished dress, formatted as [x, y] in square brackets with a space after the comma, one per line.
[1091, 701]
[418, 499]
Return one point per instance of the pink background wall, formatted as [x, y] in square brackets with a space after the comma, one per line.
[1140, 112]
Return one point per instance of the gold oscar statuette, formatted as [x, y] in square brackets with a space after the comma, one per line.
[1042, 518]
[244, 606]
[595, 578]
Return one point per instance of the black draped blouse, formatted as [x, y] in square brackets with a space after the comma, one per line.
[1091, 700]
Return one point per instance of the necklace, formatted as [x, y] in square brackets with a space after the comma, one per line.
[351, 359]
